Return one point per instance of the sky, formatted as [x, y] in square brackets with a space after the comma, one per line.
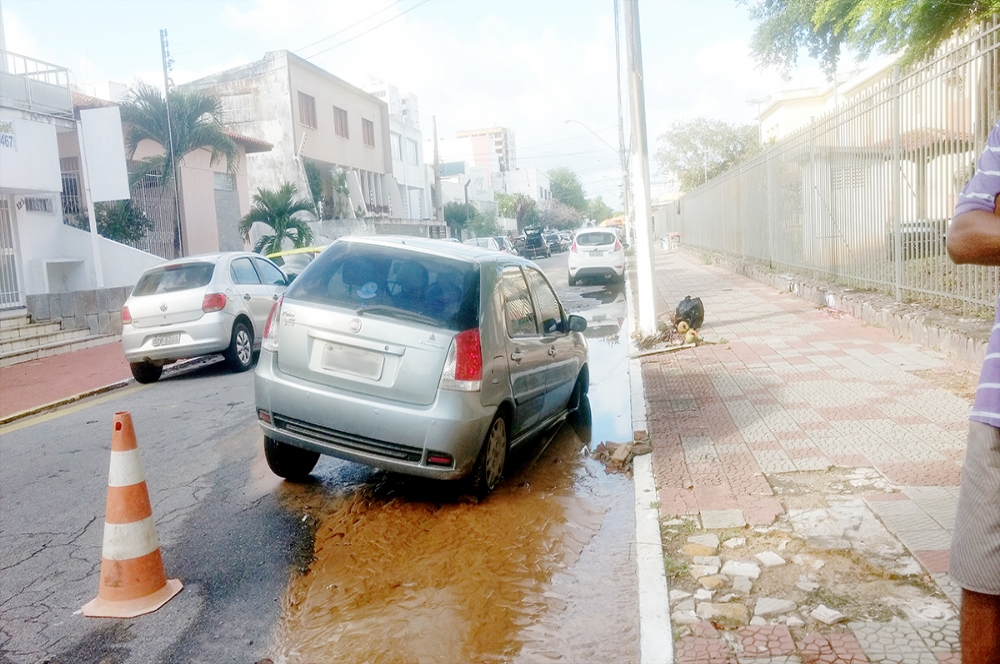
[529, 65]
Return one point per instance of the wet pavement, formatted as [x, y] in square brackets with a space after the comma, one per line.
[816, 461]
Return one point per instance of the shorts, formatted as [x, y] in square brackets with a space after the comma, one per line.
[975, 546]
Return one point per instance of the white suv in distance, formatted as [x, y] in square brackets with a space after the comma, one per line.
[596, 252]
[200, 305]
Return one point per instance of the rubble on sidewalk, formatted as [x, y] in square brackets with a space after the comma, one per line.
[617, 457]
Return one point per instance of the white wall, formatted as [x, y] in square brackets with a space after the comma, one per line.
[31, 163]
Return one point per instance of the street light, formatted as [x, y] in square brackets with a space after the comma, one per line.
[758, 102]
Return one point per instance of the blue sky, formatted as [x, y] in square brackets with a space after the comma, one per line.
[525, 64]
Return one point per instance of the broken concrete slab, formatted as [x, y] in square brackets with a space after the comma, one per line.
[731, 612]
[707, 560]
[740, 568]
[705, 540]
[713, 582]
[694, 550]
[770, 559]
[703, 595]
[698, 571]
[735, 542]
[772, 606]
[742, 585]
[826, 615]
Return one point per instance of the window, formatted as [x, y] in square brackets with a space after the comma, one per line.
[34, 204]
[397, 147]
[517, 305]
[340, 122]
[411, 152]
[174, 278]
[368, 132]
[269, 273]
[548, 303]
[307, 110]
[242, 272]
[225, 182]
[71, 201]
[236, 108]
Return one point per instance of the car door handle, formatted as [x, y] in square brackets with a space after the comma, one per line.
[247, 297]
[552, 351]
[516, 355]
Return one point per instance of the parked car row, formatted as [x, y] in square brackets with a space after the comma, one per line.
[413, 355]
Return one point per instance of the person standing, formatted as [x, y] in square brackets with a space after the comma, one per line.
[974, 237]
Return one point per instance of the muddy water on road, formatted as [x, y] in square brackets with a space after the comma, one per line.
[406, 571]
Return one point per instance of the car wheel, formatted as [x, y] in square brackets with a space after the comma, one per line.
[580, 390]
[239, 355]
[572, 280]
[146, 372]
[287, 461]
[489, 466]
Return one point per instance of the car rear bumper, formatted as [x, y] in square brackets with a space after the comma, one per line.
[379, 433]
[209, 334]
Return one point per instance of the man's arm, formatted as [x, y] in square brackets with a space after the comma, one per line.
[974, 237]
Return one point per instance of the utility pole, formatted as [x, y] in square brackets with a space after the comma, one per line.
[622, 153]
[640, 176]
[438, 207]
[167, 61]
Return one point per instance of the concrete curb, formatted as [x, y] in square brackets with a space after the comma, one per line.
[656, 640]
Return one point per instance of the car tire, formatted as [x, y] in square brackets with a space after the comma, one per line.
[287, 461]
[239, 355]
[146, 372]
[572, 280]
[488, 470]
[580, 390]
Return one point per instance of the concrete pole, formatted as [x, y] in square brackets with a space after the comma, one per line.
[438, 207]
[95, 239]
[622, 153]
[646, 304]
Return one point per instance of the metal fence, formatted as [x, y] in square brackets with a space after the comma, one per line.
[863, 196]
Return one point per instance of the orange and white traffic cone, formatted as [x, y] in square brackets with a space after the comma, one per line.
[133, 581]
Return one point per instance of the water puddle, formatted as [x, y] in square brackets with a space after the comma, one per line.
[405, 570]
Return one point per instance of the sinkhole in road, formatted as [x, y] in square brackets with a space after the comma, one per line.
[405, 570]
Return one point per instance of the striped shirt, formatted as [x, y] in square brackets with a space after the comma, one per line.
[981, 194]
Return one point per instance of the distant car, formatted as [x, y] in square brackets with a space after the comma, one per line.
[199, 305]
[293, 261]
[920, 238]
[554, 242]
[506, 245]
[416, 356]
[596, 252]
[484, 242]
[534, 243]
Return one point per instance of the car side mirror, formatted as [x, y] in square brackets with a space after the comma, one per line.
[577, 323]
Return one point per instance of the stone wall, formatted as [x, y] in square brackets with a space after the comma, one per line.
[96, 310]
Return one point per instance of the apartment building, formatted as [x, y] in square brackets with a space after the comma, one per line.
[406, 147]
[499, 140]
[309, 115]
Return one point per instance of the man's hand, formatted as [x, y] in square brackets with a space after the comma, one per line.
[974, 237]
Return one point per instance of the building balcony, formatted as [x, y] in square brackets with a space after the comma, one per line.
[34, 86]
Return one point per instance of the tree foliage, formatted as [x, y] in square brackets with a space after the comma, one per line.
[554, 214]
[193, 124]
[457, 215]
[518, 206]
[598, 210]
[697, 150]
[121, 221]
[314, 177]
[277, 209]
[484, 223]
[567, 188]
[825, 27]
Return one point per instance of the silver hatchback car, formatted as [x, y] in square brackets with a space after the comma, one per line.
[416, 356]
[200, 305]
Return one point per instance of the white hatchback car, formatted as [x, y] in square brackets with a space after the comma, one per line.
[596, 252]
[199, 305]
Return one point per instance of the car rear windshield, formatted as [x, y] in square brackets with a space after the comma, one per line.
[393, 281]
[595, 239]
[171, 278]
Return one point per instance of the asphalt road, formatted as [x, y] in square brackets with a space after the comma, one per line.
[249, 547]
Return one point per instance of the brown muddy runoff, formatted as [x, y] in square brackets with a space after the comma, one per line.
[406, 570]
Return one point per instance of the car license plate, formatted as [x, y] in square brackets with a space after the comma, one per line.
[597, 253]
[167, 339]
[355, 361]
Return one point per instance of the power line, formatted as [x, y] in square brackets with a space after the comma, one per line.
[377, 25]
[330, 36]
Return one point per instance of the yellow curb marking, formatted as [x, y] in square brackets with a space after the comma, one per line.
[68, 410]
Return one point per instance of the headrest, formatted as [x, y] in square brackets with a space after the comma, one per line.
[358, 271]
[412, 276]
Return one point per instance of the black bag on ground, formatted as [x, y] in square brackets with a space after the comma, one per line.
[690, 310]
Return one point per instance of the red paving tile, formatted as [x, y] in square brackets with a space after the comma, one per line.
[839, 647]
[699, 650]
[935, 562]
[949, 657]
[922, 473]
[766, 640]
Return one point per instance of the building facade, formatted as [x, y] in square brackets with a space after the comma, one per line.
[407, 149]
[499, 140]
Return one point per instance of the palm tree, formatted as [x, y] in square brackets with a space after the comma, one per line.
[277, 209]
[193, 124]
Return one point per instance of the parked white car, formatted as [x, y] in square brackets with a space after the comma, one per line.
[484, 242]
[199, 305]
[596, 252]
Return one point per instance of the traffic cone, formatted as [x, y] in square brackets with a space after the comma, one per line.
[133, 581]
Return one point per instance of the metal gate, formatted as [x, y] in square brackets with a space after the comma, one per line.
[10, 289]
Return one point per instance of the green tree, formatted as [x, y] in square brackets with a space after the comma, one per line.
[277, 209]
[697, 150]
[559, 215]
[484, 223]
[314, 177]
[193, 124]
[825, 27]
[458, 215]
[567, 189]
[121, 221]
[518, 206]
[598, 210]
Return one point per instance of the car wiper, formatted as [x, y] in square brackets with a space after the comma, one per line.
[396, 312]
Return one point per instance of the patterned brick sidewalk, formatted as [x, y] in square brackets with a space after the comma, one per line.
[796, 388]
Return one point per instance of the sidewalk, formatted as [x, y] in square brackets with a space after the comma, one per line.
[816, 438]
[31, 386]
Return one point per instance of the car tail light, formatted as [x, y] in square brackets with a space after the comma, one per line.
[126, 316]
[213, 302]
[572, 247]
[270, 340]
[463, 370]
[618, 245]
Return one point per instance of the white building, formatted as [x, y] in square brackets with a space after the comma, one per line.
[406, 147]
[528, 181]
[497, 140]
